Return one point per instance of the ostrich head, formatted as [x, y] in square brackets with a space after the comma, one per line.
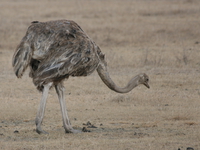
[144, 79]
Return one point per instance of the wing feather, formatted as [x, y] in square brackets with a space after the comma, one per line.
[21, 58]
[58, 49]
[61, 68]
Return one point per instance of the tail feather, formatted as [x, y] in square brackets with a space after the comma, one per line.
[21, 58]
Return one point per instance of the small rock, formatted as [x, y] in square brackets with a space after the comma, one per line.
[88, 123]
[196, 43]
[92, 126]
[101, 124]
[190, 148]
[85, 129]
[16, 131]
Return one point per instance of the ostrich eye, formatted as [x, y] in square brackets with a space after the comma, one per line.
[147, 79]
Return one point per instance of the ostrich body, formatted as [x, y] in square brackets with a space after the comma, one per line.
[54, 51]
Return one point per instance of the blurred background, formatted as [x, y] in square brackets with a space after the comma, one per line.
[158, 37]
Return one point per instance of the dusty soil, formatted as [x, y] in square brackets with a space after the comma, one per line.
[160, 38]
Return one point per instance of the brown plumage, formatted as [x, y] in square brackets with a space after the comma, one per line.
[54, 51]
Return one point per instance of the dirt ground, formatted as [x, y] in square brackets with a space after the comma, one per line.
[160, 38]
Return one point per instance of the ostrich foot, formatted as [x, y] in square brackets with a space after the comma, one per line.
[40, 131]
[72, 131]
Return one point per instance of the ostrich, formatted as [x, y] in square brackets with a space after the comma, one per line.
[56, 50]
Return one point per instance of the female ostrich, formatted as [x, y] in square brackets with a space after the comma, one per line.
[54, 51]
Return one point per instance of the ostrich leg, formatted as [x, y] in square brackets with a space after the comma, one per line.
[66, 123]
[41, 110]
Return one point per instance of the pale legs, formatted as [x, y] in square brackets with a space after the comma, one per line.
[40, 114]
[60, 89]
[41, 110]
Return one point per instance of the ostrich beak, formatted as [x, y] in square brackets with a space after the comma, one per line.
[147, 85]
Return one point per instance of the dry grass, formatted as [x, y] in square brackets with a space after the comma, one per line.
[160, 38]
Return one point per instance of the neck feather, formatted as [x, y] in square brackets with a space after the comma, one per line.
[104, 75]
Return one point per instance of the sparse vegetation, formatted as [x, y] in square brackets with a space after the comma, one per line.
[160, 38]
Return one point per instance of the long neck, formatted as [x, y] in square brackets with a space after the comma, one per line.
[108, 81]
